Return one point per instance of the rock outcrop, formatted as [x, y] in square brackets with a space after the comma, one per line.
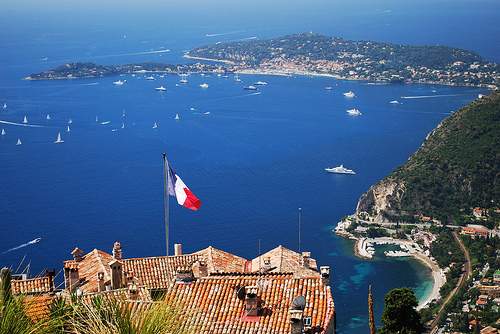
[379, 197]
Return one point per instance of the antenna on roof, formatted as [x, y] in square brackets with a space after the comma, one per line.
[300, 209]
[298, 303]
[241, 293]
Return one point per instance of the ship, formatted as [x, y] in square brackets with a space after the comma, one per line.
[349, 94]
[354, 112]
[161, 88]
[251, 87]
[340, 170]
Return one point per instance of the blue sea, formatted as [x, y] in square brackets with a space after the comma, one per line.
[253, 158]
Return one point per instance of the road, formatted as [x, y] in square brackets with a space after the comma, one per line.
[432, 328]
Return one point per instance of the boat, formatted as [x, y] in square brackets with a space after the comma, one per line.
[251, 87]
[395, 102]
[225, 76]
[204, 85]
[176, 116]
[119, 82]
[340, 170]
[59, 140]
[161, 88]
[192, 109]
[155, 126]
[18, 142]
[237, 78]
[260, 83]
[123, 125]
[349, 94]
[328, 88]
[354, 112]
[36, 240]
[96, 120]
[3, 132]
[123, 114]
[68, 129]
[5, 105]
[183, 80]
[150, 78]
[25, 120]
[207, 113]
[48, 116]
[70, 121]
[105, 122]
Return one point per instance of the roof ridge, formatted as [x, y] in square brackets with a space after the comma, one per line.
[99, 261]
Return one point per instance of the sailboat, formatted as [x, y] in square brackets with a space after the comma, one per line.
[184, 80]
[3, 132]
[96, 120]
[25, 120]
[123, 125]
[176, 116]
[18, 142]
[59, 140]
[123, 115]
[70, 121]
[68, 129]
[237, 78]
[48, 117]
[5, 105]
[155, 126]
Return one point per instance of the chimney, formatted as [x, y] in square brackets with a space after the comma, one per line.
[77, 254]
[325, 275]
[116, 274]
[251, 302]
[306, 256]
[100, 282]
[133, 291]
[184, 274]
[71, 276]
[117, 251]
[50, 274]
[177, 249]
[296, 321]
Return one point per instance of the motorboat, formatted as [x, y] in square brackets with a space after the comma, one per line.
[161, 89]
[349, 94]
[354, 112]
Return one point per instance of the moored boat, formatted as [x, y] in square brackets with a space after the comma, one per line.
[354, 112]
[340, 170]
[204, 85]
[251, 87]
[161, 88]
[349, 94]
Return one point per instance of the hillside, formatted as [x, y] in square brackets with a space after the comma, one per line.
[456, 169]
[357, 60]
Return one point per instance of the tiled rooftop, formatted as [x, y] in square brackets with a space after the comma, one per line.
[221, 311]
[30, 286]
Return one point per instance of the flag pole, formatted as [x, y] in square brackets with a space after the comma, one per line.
[165, 178]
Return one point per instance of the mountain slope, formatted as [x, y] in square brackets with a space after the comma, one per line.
[457, 167]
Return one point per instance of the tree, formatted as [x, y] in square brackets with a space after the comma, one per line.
[400, 315]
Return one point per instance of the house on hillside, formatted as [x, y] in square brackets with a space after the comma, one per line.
[279, 292]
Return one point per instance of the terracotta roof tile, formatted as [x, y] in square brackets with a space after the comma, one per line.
[32, 286]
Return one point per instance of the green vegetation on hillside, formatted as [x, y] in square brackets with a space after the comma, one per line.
[458, 166]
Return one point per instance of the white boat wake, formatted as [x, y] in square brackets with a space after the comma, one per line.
[22, 124]
[23, 245]
[427, 96]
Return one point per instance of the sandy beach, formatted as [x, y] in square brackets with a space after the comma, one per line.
[415, 251]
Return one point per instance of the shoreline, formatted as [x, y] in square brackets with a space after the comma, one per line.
[414, 251]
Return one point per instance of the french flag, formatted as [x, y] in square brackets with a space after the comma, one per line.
[179, 190]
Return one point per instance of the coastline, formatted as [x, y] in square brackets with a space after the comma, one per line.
[414, 250]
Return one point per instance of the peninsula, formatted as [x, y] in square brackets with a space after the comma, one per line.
[313, 54]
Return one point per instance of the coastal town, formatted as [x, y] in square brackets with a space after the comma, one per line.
[474, 285]
[316, 55]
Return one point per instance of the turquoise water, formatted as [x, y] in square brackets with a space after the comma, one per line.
[253, 161]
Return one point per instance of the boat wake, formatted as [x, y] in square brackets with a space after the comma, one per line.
[427, 96]
[222, 34]
[22, 124]
[23, 245]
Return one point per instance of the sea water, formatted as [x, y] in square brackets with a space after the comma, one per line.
[253, 158]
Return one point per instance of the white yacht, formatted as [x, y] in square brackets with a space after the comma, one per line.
[161, 89]
[59, 140]
[340, 170]
[251, 87]
[204, 85]
[119, 82]
[260, 83]
[349, 94]
[354, 112]
[150, 78]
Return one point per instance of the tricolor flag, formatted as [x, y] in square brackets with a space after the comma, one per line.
[179, 190]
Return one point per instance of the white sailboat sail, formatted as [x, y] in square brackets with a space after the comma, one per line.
[176, 116]
[25, 120]
[3, 132]
[68, 129]
[18, 142]
[59, 140]
[155, 126]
